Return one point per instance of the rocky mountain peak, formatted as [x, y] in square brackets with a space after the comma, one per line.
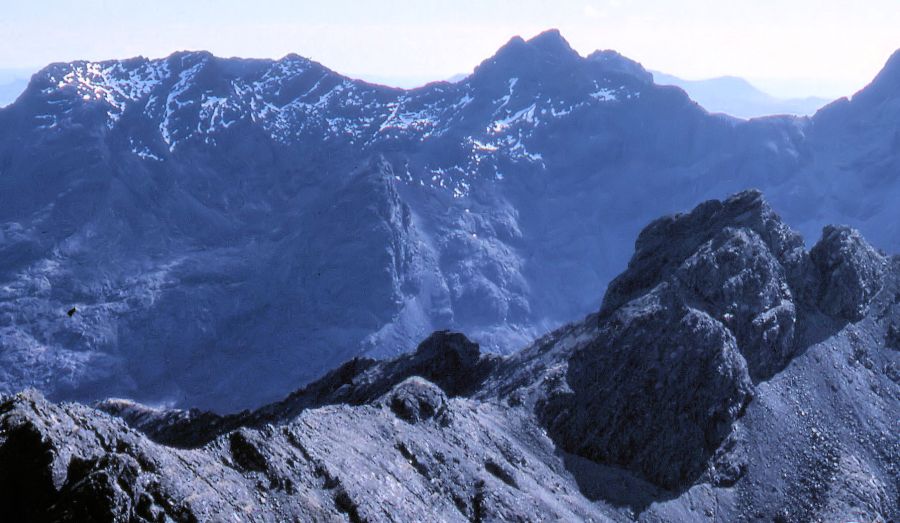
[704, 310]
[667, 242]
[416, 399]
[712, 304]
[190, 57]
[527, 58]
[551, 42]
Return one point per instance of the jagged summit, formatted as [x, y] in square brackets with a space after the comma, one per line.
[194, 56]
[700, 320]
[889, 76]
[551, 42]
[549, 45]
[740, 260]
[656, 256]
[546, 52]
[549, 54]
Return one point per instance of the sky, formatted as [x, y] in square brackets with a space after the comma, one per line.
[825, 48]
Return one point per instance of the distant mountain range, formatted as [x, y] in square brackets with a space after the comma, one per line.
[730, 95]
[224, 230]
[738, 97]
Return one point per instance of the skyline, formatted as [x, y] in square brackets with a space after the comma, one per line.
[829, 48]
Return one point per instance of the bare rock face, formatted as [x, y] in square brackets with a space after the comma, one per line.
[851, 272]
[70, 463]
[26, 476]
[104, 489]
[736, 278]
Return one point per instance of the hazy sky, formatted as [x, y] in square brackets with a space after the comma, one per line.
[789, 47]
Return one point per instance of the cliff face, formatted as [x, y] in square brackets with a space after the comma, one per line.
[729, 375]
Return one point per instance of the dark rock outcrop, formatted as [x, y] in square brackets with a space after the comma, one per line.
[656, 392]
[736, 278]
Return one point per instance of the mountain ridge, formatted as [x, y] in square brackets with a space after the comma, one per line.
[192, 207]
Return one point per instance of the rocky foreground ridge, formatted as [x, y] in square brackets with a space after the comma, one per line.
[730, 375]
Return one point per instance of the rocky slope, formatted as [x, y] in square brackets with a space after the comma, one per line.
[226, 229]
[730, 375]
